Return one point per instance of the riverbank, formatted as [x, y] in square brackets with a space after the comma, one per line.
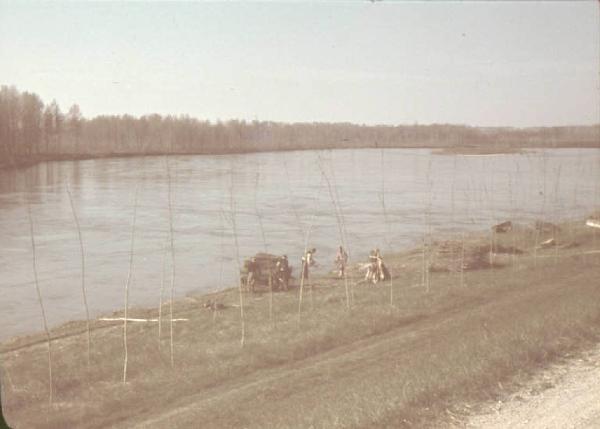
[446, 344]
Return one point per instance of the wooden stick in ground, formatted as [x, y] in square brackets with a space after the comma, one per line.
[429, 230]
[83, 290]
[596, 193]
[387, 227]
[452, 209]
[541, 226]
[172, 247]
[462, 261]
[338, 206]
[340, 230]
[131, 252]
[265, 247]
[492, 222]
[301, 289]
[556, 216]
[271, 299]
[41, 302]
[237, 258]
[424, 264]
[512, 218]
[162, 288]
[462, 249]
[164, 258]
[306, 239]
[221, 258]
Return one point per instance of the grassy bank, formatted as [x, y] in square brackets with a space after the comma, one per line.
[475, 335]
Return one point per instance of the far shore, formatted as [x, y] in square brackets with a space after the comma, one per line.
[20, 162]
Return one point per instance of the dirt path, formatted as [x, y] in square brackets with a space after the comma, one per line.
[566, 395]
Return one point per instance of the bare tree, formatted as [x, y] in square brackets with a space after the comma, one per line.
[74, 121]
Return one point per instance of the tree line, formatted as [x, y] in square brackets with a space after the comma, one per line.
[31, 129]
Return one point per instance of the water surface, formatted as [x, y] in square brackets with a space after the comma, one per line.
[277, 198]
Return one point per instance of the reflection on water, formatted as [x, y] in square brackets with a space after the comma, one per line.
[453, 192]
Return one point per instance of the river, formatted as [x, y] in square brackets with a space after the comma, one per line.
[384, 198]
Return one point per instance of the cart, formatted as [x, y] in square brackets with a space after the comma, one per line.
[265, 271]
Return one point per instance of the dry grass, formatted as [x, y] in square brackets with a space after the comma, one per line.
[414, 364]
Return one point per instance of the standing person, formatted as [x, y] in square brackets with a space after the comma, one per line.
[252, 267]
[341, 259]
[379, 262]
[308, 260]
[378, 269]
[283, 272]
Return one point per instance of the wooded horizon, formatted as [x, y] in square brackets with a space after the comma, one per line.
[30, 128]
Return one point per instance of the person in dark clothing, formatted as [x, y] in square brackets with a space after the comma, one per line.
[308, 260]
[283, 272]
[252, 267]
[341, 259]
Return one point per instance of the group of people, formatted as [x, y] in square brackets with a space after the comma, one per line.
[281, 271]
[376, 269]
[341, 260]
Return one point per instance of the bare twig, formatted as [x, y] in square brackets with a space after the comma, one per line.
[221, 250]
[172, 246]
[162, 288]
[83, 290]
[306, 240]
[556, 217]
[265, 247]
[387, 227]
[41, 302]
[427, 249]
[237, 258]
[131, 252]
[342, 220]
[340, 228]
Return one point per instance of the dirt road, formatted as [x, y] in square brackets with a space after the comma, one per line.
[566, 395]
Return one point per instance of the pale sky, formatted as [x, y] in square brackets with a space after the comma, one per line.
[478, 63]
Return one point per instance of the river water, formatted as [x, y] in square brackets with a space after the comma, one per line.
[275, 198]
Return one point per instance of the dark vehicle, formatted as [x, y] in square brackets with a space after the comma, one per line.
[264, 271]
